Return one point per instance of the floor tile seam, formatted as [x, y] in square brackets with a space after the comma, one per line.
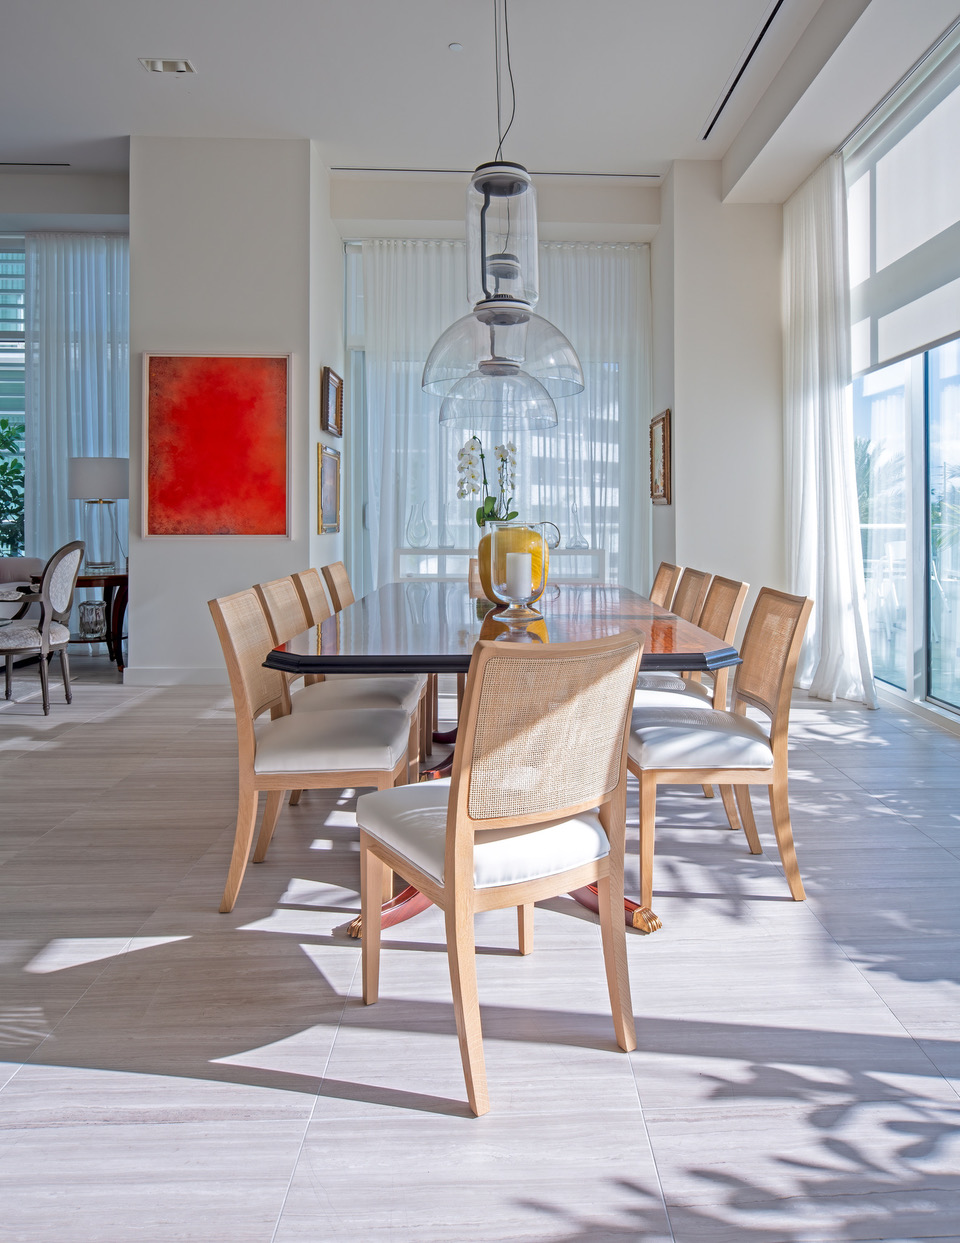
[915, 1041]
[316, 1101]
[653, 1156]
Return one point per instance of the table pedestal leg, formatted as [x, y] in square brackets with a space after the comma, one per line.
[407, 903]
[635, 915]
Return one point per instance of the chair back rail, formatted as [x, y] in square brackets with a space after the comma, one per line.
[309, 586]
[664, 584]
[543, 736]
[722, 607]
[283, 607]
[245, 638]
[338, 584]
[769, 655]
[690, 595]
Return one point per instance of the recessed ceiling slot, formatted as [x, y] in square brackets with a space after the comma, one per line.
[157, 65]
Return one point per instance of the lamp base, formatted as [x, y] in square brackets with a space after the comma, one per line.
[99, 567]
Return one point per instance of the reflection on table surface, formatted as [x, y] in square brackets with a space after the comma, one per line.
[419, 627]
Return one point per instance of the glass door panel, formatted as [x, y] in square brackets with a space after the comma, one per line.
[943, 476]
[880, 421]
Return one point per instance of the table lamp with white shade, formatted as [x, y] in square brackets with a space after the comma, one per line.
[100, 482]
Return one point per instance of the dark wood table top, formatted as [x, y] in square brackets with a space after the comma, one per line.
[431, 627]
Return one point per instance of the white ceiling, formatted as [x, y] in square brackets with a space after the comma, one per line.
[616, 86]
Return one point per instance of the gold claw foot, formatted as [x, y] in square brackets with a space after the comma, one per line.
[644, 920]
[356, 927]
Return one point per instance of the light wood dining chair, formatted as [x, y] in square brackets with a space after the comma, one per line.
[719, 616]
[284, 610]
[338, 584]
[664, 584]
[687, 603]
[317, 610]
[691, 744]
[300, 751]
[50, 633]
[517, 821]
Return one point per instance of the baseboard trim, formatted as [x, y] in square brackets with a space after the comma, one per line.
[930, 713]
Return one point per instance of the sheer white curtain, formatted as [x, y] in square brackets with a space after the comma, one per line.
[77, 373]
[599, 295]
[823, 538]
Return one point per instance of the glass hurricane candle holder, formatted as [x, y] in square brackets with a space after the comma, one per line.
[518, 557]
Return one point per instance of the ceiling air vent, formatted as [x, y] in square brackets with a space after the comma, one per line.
[153, 65]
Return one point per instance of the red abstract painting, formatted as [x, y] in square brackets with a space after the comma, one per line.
[216, 445]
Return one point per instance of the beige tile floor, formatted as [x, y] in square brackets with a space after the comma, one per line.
[170, 1073]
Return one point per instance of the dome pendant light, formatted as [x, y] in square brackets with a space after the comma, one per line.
[502, 360]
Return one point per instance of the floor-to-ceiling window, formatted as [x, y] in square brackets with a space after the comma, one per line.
[903, 210]
[11, 396]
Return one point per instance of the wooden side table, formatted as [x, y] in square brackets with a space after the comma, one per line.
[114, 588]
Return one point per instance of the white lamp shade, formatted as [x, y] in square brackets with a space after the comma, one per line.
[98, 478]
[515, 336]
[514, 398]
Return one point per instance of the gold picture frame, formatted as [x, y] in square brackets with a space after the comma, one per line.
[660, 465]
[328, 490]
[331, 402]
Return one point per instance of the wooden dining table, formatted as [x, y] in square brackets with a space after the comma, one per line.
[433, 627]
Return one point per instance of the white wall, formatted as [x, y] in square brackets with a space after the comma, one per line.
[726, 373]
[69, 201]
[326, 348]
[221, 262]
[569, 209]
[663, 517]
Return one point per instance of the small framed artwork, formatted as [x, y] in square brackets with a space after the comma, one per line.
[660, 459]
[331, 403]
[328, 490]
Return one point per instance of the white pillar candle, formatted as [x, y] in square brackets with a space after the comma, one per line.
[519, 575]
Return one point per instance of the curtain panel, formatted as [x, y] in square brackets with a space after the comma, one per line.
[824, 555]
[77, 354]
[599, 296]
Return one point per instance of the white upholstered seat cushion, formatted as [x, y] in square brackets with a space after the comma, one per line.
[29, 636]
[412, 820]
[397, 691]
[695, 737]
[695, 694]
[349, 740]
[660, 682]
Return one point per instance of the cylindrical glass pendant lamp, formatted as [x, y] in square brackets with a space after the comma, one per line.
[502, 235]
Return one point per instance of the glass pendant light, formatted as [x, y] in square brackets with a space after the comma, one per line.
[502, 349]
[498, 393]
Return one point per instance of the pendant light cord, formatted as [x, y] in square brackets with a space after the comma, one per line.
[498, 7]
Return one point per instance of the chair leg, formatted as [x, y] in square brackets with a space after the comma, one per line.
[8, 678]
[246, 820]
[423, 714]
[707, 791]
[730, 806]
[613, 935]
[648, 817]
[747, 820]
[295, 797]
[65, 674]
[414, 740]
[780, 811]
[371, 887]
[44, 685]
[525, 927]
[270, 815]
[462, 958]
